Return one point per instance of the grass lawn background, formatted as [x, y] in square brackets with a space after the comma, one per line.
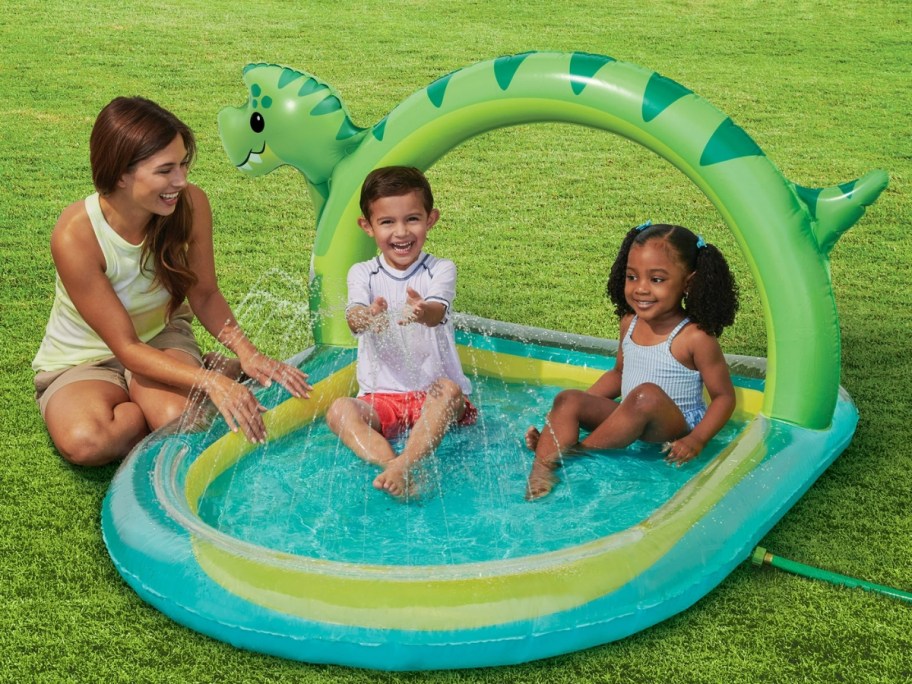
[532, 216]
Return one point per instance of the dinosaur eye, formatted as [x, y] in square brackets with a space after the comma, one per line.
[257, 123]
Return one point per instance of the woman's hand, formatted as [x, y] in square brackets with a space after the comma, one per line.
[265, 369]
[238, 406]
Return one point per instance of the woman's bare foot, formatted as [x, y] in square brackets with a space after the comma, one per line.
[532, 437]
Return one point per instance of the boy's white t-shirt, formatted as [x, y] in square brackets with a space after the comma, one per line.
[406, 358]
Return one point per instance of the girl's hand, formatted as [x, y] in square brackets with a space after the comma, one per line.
[238, 406]
[682, 450]
[265, 369]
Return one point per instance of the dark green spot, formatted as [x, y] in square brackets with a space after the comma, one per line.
[848, 188]
[311, 85]
[809, 196]
[267, 102]
[255, 90]
[436, 90]
[583, 66]
[660, 93]
[505, 68]
[379, 129]
[728, 142]
[287, 76]
[328, 105]
[347, 130]
[254, 103]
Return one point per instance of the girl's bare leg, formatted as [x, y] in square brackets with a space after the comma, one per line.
[571, 410]
[531, 438]
[647, 413]
[444, 404]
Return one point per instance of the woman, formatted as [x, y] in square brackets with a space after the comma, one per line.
[118, 357]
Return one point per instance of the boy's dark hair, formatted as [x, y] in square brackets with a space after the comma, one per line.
[394, 181]
[712, 298]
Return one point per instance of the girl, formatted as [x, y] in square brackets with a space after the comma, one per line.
[118, 357]
[674, 294]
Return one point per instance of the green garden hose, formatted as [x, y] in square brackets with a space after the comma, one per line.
[762, 556]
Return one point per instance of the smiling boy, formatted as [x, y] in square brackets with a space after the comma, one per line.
[409, 374]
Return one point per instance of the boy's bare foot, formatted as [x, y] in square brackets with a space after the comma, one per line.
[532, 437]
[395, 480]
[541, 480]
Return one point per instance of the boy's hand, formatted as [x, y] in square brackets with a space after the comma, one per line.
[414, 310]
[378, 318]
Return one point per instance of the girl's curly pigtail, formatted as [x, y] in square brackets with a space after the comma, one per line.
[712, 297]
[618, 276]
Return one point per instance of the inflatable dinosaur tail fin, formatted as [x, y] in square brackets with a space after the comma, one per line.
[837, 208]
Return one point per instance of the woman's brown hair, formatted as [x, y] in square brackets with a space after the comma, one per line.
[127, 131]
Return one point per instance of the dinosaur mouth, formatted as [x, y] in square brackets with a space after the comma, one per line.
[251, 159]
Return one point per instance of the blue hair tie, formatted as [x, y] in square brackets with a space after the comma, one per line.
[643, 226]
[701, 243]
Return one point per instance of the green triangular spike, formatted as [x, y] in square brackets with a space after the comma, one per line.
[505, 68]
[848, 188]
[347, 130]
[311, 85]
[727, 143]
[584, 66]
[379, 128]
[660, 94]
[287, 76]
[327, 106]
[809, 196]
[437, 90]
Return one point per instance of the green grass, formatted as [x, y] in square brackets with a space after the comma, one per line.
[822, 87]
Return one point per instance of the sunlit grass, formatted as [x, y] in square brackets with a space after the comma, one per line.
[532, 216]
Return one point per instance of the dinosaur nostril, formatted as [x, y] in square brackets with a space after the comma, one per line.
[257, 122]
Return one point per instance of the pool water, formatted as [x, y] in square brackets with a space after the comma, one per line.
[309, 495]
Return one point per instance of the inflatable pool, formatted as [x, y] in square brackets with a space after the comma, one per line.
[324, 587]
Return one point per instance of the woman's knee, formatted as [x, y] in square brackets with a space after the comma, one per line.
[84, 450]
[97, 443]
[169, 409]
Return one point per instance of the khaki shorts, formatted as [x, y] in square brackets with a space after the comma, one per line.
[178, 334]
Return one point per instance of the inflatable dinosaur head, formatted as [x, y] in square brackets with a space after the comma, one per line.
[290, 117]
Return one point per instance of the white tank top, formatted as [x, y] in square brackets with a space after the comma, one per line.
[68, 339]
